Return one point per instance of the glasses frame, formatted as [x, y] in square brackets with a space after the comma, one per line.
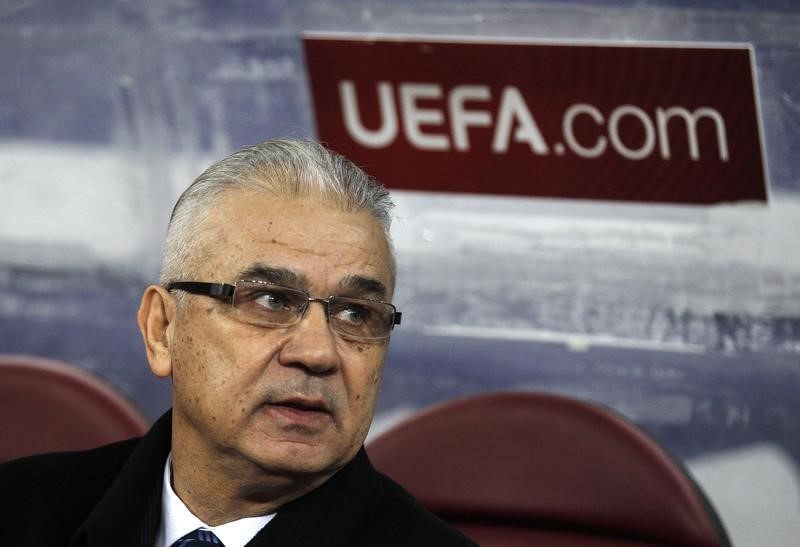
[227, 292]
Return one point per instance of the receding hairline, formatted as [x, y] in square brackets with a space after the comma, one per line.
[294, 167]
[206, 225]
[286, 168]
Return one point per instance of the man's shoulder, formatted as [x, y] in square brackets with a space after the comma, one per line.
[58, 469]
[403, 519]
[57, 490]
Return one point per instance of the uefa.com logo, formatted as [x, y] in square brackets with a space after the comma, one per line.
[514, 121]
[629, 122]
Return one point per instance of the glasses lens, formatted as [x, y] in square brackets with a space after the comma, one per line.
[361, 318]
[268, 305]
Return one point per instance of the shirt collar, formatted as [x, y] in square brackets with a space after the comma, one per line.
[177, 520]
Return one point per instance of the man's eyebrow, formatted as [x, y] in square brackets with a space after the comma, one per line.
[364, 285]
[355, 285]
[274, 275]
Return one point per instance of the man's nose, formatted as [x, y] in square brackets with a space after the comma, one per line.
[312, 344]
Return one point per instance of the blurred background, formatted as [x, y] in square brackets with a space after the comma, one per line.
[686, 319]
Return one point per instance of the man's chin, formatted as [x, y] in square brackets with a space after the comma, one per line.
[300, 462]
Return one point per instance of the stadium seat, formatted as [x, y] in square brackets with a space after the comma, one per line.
[48, 406]
[514, 469]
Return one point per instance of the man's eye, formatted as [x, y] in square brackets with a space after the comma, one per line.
[271, 300]
[353, 314]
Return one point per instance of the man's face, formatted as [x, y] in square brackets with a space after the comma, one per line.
[295, 399]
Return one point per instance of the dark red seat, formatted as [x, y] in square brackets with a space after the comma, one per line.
[528, 469]
[48, 406]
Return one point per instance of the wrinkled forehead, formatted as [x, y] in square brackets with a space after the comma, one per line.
[319, 242]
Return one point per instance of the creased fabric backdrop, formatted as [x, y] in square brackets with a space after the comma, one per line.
[686, 319]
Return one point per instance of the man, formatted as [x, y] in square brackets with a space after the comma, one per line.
[274, 381]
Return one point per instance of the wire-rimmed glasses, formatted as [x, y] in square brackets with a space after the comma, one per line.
[266, 305]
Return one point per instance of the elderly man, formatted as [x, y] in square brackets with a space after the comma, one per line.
[272, 319]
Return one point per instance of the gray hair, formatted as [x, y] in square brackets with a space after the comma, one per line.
[285, 168]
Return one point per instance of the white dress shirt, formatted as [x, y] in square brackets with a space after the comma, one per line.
[177, 520]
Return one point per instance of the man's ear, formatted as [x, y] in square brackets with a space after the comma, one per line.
[156, 316]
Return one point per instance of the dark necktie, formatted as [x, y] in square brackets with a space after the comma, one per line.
[197, 538]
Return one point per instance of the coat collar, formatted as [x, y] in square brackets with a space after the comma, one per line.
[331, 515]
[129, 513]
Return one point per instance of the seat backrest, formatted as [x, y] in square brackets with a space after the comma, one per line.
[541, 469]
[48, 406]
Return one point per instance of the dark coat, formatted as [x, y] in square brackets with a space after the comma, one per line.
[112, 496]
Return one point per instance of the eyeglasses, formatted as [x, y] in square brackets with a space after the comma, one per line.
[265, 305]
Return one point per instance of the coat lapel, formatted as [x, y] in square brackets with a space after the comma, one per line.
[129, 513]
[329, 516]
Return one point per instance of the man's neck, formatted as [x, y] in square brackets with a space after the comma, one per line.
[229, 488]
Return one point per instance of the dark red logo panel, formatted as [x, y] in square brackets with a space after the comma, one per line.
[615, 122]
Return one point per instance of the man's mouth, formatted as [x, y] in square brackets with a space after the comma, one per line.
[300, 411]
[309, 405]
